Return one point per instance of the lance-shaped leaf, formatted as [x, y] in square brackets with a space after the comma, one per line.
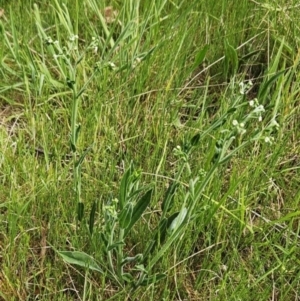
[176, 229]
[115, 245]
[80, 211]
[81, 259]
[79, 162]
[265, 87]
[124, 187]
[178, 220]
[92, 217]
[160, 234]
[199, 57]
[139, 209]
[152, 279]
[167, 203]
[137, 257]
[125, 215]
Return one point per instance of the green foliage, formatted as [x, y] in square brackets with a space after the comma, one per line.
[80, 259]
[149, 150]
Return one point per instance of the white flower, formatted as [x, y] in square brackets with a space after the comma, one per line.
[73, 37]
[251, 103]
[235, 123]
[242, 88]
[49, 40]
[260, 118]
[245, 87]
[269, 140]
[112, 65]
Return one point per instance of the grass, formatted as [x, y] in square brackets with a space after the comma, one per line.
[102, 110]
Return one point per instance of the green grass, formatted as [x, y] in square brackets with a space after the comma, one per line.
[163, 74]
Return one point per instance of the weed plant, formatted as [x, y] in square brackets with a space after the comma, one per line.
[149, 150]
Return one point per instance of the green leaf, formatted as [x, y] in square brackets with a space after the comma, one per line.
[138, 209]
[73, 139]
[160, 234]
[79, 162]
[127, 277]
[80, 211]
[137, 257]
[77, 131]
[73, 147]
[92, 218]
[103, 239]
[124, 187]
[125, 215]
[200, 57]
[140, 268]
[231, 61]
[164, 248]
[126, 32]
[81, 259]
[153, 279]
[115, 245]
[163, 231]
[178, 220]
[195, 139]
[263, 92]
[78, 61]
[250, 54]
[288, 217]
[167, 203]
[231, 110]
[80, 92]
[143, 56]
[70, 83]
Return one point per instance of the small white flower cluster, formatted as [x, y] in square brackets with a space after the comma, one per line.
[72, 45]
[256, 113]
[59, 53]
[49, 41]
[63, 51]
[245, 87]
[269, 129]
[111, 209]
[240, 127]
[258, 109]
[269, 140]
[73, 37]
[94, 45]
